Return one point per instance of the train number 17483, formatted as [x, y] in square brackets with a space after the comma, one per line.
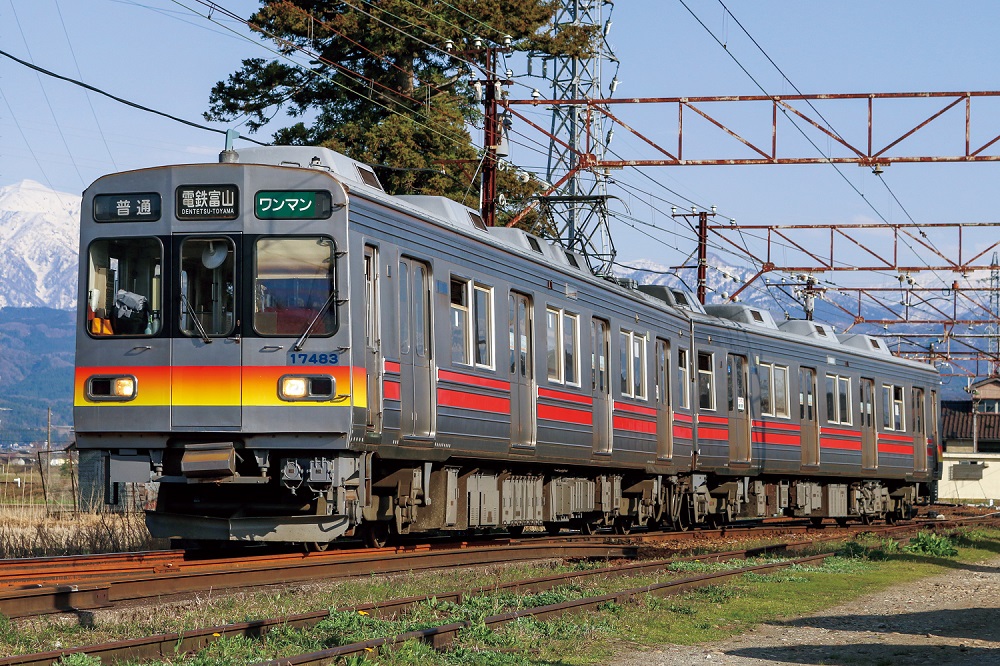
[325, 358]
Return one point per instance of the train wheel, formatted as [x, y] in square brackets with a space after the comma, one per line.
[842, 521]
[317, 546]
[589, 528]
[816, 521]
[552, 529]
[375, 535]
[623, 525]
[515, 531]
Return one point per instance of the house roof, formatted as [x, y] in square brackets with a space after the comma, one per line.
[958, 425]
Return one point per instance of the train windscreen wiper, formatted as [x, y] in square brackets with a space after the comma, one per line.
[197, 322]
[319, 313]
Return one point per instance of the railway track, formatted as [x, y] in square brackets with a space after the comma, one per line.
[162, 645]
[32, 587]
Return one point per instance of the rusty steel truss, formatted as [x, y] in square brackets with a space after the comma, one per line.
[888, 248]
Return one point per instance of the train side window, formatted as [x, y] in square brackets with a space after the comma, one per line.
[124, 287]
[471, 323]
[632, 356]
[563, 340]
[683, 379]
[838, 399]
[893, 417]
[773, 390]
[293, 284]
[460, 339]
[918, 411]
[706, 381]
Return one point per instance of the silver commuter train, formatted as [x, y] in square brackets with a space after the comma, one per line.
[295, 356]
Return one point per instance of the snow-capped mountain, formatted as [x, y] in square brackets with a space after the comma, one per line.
[39, 233]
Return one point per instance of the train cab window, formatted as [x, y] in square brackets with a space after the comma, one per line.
[633, 364]
[471, 323]
[773, 390]
[563, 346]
[124, 287]
[207, 286]
[683, 379]
[893, 417]
[293, 285]
[838, 399]
[706, 381]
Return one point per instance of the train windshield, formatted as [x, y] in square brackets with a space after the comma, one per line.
[124, 287]
[294, 286]
[208, 269]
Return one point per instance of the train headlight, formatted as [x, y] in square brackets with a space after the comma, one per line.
[111, 388]
[124, 387]
[306, 387]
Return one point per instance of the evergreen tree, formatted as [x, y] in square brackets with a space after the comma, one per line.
[380, 86]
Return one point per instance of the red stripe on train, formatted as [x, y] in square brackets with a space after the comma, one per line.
[777, 426]
[713, 433]
[634, 425]
[684, 418]
[895, 448]
[567, 414]
[775, 438]
[391, 366]
[634, 409]
[390, 390]
[842, 444]
[473, 380]
[464, 400]
[719, 420]
[684, 432]
[552, 394]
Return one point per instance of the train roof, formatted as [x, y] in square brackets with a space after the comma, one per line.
[361, 179]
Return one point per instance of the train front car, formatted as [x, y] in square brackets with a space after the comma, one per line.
[214, 352]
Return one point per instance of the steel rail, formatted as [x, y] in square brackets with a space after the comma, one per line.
[227, 576]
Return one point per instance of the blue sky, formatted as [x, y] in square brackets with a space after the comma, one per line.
[161, 54]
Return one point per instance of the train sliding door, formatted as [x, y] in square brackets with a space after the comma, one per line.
[808, 422]
[522, 369]
[919, 431]
[416, 385]
[869, 436]
[664, 405]
[600, 355]
[739, 413]
[373, 350]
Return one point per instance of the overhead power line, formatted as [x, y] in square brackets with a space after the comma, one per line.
[121, 100]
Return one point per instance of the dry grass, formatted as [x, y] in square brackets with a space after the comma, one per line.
[29, 532]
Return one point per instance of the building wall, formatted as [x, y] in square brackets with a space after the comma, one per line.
[953, 490]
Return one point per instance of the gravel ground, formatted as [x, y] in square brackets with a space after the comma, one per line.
[948, 619]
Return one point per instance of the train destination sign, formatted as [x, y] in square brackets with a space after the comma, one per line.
[207, 202]
[132, 207]
[293, 205]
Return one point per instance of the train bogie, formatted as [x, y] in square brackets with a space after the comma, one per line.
[296, 356]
